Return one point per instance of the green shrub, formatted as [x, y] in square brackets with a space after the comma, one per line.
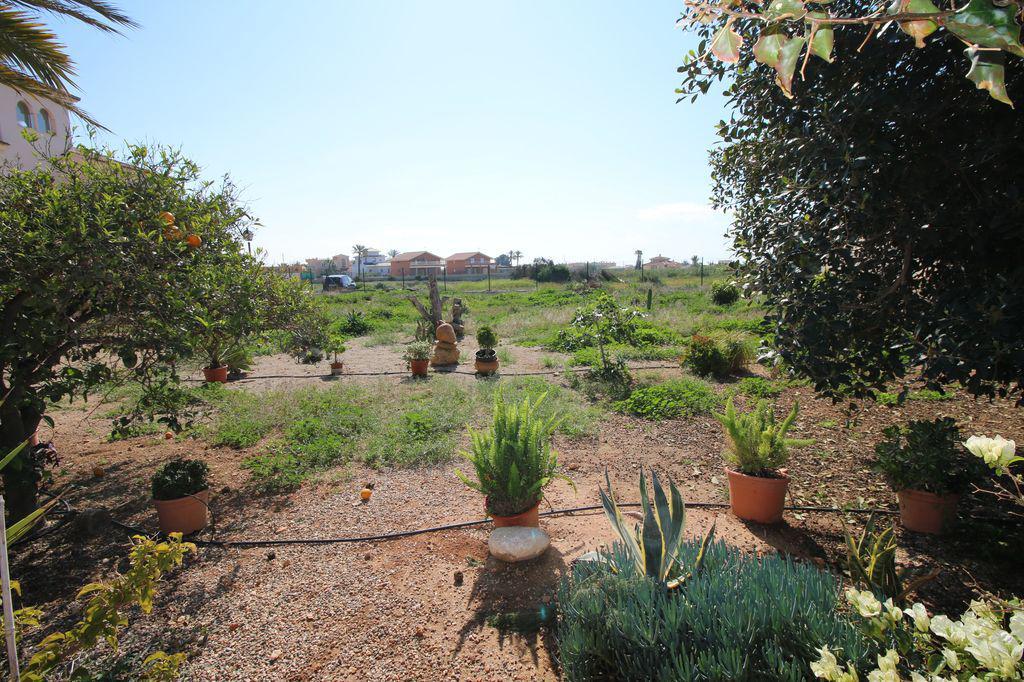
[705, 358]
[611, 380]
[926, 455]
[180, 478]
[676, 398]
[417, 350]
[759, 387]
[486, 338]
[724, 293]
[742, 617]
[513, 459]
[353, 324]
[757, 444]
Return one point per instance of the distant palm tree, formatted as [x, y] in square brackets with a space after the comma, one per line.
[359, 251]
[392, 253]
[515, 255]
[32, 61]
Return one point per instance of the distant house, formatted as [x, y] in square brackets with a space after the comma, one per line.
[318, 266]
[341, 263]
[378, 269]
[371, 257]
[413, 263]
[48, 119]
[660, 262]
[468, 263]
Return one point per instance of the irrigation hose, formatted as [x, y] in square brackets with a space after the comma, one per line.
[466, 524]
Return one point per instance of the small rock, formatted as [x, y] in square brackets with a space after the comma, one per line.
[276, 654]
[367, 556]
[458, 578]
[225, 490]
[420, 633]
[517, 543]
[589, 556]
[271, 555]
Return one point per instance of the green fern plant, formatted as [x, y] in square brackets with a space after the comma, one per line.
[513, 459]
[871, 563]
[653, 546]
[757, 444]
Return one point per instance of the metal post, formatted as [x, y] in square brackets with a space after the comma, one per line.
[5, 585]
[702, 272]
[488, 278]
[444, 269]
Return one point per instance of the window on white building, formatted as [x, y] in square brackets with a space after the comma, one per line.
[24, 115]
[44, 121]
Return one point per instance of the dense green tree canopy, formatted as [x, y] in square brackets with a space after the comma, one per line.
[880, 215]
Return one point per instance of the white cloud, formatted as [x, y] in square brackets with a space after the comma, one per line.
[682, 210]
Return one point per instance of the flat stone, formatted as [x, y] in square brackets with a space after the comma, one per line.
[517, 543]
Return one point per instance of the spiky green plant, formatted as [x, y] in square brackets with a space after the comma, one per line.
[871, 563]
[653, 546]
[757, 443]
[513, 459]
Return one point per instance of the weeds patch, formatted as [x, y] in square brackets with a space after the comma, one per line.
[676, 398]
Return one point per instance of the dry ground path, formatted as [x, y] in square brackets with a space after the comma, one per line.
[396, 610]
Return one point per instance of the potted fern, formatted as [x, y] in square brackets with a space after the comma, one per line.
[514, 462]
[486, 358]
[757, 451]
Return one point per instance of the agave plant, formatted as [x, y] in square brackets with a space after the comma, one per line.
[20, 528]
[513, 459]
[653, 545]
[871, 563]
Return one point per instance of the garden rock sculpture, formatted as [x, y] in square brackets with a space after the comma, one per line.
[460, 329]
[445, 350]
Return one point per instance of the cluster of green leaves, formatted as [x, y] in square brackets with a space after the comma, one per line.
[942, 301]
[107, 609]
[742, 617]
[179, 478]
[602, 322]
[486, 338]
[892, 399]
[786, 27]
[708, 356]
[759, 387]
[724, 293]
[676, 398]
[353, 324]
[756, 443]
[513, 459]
[927, 455]
[423, 431]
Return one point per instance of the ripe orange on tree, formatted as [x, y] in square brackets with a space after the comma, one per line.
[194, 240]
[167, 217]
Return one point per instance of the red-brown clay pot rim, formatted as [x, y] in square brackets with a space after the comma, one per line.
[928, 494]
[780, 475]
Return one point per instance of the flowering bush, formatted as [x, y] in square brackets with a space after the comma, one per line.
[986, 643]
[999, 454]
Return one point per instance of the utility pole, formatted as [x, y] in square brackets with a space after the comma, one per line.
[702, 272]
[488, 278]
[444, 269]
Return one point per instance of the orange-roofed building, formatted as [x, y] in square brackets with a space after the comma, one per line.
[413, 263]
[468, 263]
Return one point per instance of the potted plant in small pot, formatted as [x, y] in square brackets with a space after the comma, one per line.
[486, 358]
[757, 452]
[514, 462]
[417, 354]
[181, 495]
[336, 347]
[928, 468]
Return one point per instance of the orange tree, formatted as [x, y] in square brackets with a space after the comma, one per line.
[104, 267]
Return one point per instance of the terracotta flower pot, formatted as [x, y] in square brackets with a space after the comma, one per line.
[185, 514]
[337, 368]
[486, 366]
[925, 512]
[757, 498]
[419, 367]
[530, 518]
[216, 374]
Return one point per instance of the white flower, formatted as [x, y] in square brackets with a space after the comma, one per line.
[893, 611]
[920, 615]
[865, 602]
[887, 671]
[952, 661]
[999, 652]
[827, 668]
[1017, 625]
[954, 633]
[997, 452]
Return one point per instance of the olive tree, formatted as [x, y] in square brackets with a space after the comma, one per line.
[879, 213]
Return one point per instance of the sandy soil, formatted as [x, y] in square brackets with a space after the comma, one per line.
[395, 610]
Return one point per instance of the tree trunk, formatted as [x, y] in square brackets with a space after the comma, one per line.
[20, 478]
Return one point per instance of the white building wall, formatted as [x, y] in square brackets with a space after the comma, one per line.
[14, 148]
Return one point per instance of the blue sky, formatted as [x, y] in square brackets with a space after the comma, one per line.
[547, 126]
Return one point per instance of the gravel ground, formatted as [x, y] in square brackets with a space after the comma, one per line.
[394, 610]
